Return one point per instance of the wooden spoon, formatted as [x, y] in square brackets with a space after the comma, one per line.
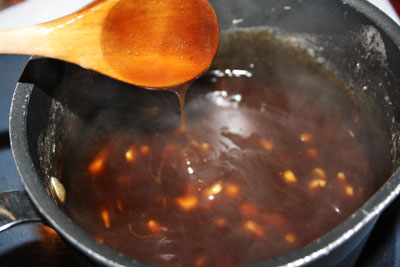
[148, 43]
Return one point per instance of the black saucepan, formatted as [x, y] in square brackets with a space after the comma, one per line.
[357, 43]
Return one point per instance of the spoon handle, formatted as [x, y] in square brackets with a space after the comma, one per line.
[73, 38]
[30, 40]
[68, 39]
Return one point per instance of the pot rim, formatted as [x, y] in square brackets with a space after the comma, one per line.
[109, 257]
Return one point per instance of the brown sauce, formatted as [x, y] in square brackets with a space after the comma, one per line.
[180, 92]
[271, 158]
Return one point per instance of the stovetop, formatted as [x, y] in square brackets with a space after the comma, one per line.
[38, 245]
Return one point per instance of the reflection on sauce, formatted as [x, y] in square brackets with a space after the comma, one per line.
[265, 165]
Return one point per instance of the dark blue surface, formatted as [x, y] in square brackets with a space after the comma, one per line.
[10, 70]
[383, 246]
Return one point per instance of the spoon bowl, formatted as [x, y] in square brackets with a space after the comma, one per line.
[152, 44]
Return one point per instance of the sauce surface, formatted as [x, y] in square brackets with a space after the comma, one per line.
[271, 159]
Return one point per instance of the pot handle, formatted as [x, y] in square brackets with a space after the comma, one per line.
[16, 208]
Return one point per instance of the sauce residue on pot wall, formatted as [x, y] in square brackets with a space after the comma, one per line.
[270, 160]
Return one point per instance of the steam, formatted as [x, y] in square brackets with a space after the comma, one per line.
[257, 162]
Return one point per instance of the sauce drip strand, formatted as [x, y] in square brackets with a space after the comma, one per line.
[180, 92]
[266, 163]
